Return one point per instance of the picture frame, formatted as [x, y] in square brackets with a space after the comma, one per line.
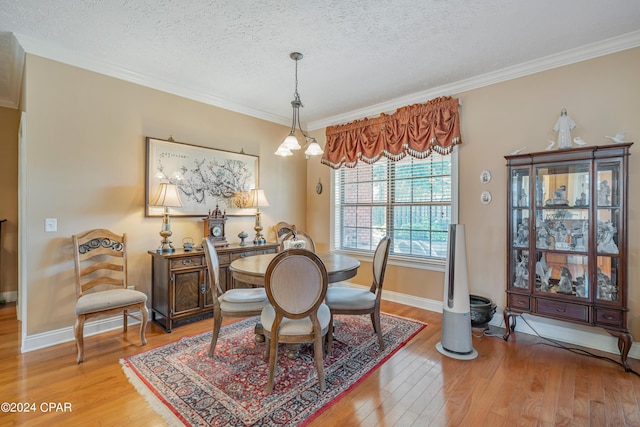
[485, 177]
[205, 177]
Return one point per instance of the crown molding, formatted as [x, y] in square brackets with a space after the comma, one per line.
[594, 50]
[51, 51]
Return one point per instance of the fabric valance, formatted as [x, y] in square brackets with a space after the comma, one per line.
[416, 130]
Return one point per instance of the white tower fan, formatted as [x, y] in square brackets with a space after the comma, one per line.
[455, 341]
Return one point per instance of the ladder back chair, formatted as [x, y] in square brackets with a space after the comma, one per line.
[100, 258]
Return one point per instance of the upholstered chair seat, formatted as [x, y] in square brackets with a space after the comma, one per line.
[296, 326]
[242, 300]
[344, 298]
[109, 299]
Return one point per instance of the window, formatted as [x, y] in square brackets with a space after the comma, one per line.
[411, 200]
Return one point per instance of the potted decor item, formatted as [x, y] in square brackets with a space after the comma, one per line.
[482, 310]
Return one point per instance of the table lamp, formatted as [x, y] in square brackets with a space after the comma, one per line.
[256, 200]
[166, 197]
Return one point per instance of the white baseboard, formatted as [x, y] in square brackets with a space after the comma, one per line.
[9, 296]
[570, 333]
[59, 336]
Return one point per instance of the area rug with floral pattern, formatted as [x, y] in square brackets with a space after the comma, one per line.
[187, 387]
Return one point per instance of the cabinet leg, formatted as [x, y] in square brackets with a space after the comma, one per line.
[508, 325]
[624, 345]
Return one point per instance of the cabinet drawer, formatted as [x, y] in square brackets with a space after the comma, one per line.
[519, 302]
[609, 317]
[224, 260]
[187, 262]
[563, 310]
[237, 255]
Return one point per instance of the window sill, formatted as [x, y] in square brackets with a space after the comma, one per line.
[421, 264]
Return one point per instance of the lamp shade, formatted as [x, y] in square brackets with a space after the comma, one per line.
[167, 196]
[257, 199]
[291, 142]
[313, 149]
[283, 151]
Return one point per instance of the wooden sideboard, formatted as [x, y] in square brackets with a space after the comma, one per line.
[180, 289]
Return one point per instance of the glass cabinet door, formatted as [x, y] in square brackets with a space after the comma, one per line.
[519, 203]
[561, 215]
[608, 190]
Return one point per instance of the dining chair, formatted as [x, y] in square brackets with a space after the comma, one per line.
[241, 302]
[100, 258]
[281, 229]
[343, 299]
[296, 283]
[297, 240]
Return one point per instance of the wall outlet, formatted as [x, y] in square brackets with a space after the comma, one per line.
[51, 224]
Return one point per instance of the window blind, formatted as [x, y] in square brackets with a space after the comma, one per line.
[409, 200]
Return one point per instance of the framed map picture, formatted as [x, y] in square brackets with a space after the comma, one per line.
[205, 177]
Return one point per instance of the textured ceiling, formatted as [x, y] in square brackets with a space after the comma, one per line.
[358, 54]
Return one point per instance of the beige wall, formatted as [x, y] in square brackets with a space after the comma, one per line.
[86, 167]
[601, 95]
[9, 124]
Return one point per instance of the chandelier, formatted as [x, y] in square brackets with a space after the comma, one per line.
[291, 141]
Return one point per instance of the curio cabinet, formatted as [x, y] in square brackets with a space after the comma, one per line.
[567, 238]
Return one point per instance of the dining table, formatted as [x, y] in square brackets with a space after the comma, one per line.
[252, 269]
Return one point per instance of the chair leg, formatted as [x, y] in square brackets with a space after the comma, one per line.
[79, 332]
[330, 335]
[273, 358]
[125, 315]
[375, 319]
[267, 342]
[144, 315]
[217, 323]
[318, 356]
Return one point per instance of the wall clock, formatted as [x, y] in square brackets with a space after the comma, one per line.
[214, 227]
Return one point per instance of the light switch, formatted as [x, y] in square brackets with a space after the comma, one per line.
[51, 224]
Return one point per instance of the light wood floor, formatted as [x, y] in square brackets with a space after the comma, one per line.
[519, 382]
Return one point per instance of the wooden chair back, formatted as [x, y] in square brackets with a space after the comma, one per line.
[380, 258]
[296, 282]
[299, 236]
[213, 267]
[100, 260]
[281, 229]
